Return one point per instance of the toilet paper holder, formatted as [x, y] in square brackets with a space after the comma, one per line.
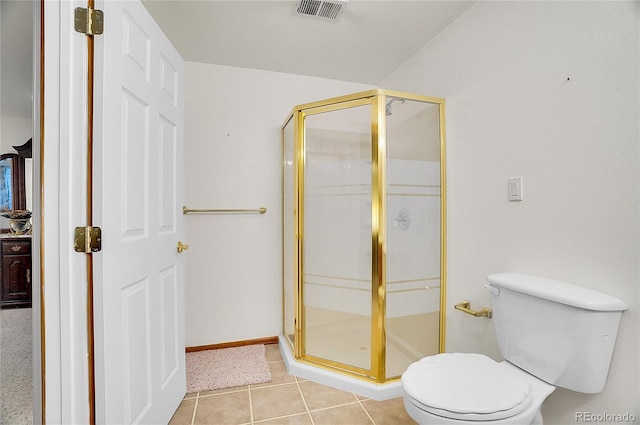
[465, 306]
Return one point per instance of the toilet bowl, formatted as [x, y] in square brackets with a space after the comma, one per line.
[458, 388]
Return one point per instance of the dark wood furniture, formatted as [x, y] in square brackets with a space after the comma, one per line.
[25, 149]
[13, 195]
[15, 271]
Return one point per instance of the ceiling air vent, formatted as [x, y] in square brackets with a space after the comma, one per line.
[331, 10]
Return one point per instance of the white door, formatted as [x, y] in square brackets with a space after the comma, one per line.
[138, 196]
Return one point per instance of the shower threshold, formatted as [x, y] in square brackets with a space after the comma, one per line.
[337, 380]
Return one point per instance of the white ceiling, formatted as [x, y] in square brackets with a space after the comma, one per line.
[369, 41]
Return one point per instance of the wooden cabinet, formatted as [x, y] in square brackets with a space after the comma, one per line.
[15, 263]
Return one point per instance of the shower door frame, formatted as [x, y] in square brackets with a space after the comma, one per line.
[377, 100]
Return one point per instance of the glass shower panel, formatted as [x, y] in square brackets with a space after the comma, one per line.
[289, 262]
[337, 235]
[413, 232]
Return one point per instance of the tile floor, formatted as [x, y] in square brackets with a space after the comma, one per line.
[286, 400]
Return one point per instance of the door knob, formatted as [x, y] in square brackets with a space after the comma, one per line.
[182, 247]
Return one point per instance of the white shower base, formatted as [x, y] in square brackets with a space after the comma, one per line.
[337, 380]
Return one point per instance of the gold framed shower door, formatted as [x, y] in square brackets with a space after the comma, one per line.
[294, 162]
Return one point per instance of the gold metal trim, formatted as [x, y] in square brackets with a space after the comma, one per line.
[187, 210]
[336, 368]
[337, 106]
[465, 306]
[378, 239]
[282, 226]
[366, 94]
[443, 230]
[298, 202]
[336, 365]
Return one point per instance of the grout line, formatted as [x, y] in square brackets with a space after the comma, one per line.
[250, 406]
[281, 417]
[224, 392]
[271, 386]
[365, 411]
[333, 407]
[195, 408]
[306, 406]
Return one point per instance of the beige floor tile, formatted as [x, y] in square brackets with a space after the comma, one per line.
[301, 419]
[184, 414]
[279, 375]
[272, 402]
[352, 414]
[224, 409]
[320, 396]
[272, 353]
[388, 412]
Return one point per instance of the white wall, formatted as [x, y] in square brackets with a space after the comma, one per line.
[547, 91]
[15, 131]
[234, 262]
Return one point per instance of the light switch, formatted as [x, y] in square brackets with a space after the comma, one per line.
[515, 189]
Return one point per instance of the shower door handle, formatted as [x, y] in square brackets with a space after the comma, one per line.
[182, 247]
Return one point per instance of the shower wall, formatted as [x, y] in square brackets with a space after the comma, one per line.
[414, 234]
[337, 276]
[407, 265]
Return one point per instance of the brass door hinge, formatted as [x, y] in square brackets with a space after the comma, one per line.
[87, 239]
[88, 21]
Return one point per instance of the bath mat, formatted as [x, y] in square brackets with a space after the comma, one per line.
[226, 367]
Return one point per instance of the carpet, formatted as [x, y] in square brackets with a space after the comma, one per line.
[226, 367]
[16, 381]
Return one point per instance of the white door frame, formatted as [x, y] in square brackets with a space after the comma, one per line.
[37, 328]
[60, 205]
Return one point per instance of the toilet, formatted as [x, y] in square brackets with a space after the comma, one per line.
[550, 333]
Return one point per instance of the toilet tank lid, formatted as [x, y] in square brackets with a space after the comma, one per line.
[554, 290]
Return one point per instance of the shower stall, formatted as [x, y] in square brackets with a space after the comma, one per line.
[364, 233]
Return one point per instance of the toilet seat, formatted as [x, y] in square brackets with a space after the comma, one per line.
[469, 387]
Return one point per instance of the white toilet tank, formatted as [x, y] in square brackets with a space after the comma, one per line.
[561, 333]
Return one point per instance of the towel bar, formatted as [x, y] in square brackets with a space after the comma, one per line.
[465, 306]
[187, 210]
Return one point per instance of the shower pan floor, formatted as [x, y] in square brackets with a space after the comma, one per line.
[346, 338]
